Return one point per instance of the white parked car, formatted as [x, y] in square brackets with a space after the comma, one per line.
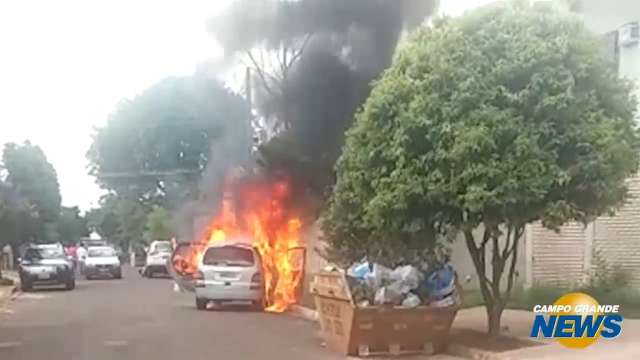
[157, 258]
[230, 273]
[102, 261]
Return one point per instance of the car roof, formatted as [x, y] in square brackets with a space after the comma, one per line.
[231, 243]
[47, 246]
[102, 247]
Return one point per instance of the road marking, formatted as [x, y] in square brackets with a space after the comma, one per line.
[34, 296]
[116, 343]
[9, 344]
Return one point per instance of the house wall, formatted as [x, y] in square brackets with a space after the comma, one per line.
[606, 16]
[558, 258]
[461, 261]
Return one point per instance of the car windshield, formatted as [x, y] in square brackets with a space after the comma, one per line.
[163, 247]
[102, 252]
[229, 256]
[44, 253]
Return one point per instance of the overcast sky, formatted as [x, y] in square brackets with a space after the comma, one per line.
[64, 64]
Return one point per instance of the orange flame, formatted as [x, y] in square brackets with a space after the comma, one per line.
[258, 211]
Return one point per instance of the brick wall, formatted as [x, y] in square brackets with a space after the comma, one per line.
[617, 239]
[558, 258]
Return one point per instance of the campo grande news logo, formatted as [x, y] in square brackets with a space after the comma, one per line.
[576, 320]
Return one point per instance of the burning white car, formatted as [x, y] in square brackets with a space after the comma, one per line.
[230, 273]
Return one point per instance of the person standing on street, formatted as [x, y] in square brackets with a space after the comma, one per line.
[81, 253]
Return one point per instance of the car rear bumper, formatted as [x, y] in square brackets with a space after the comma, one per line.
[228, 292]
[102, 270]
[157, 269]
[52, 278]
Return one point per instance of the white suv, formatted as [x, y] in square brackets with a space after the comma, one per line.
[157, 258]
[230, 273]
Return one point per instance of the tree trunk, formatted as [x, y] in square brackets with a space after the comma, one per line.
[494, 315]
[495, 295]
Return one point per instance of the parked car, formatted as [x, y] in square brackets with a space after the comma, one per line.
[157, 258]
[102, 261]
[46, 265]
[230, 273]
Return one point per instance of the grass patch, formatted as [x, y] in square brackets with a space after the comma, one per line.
[472, 298]
[628, 298]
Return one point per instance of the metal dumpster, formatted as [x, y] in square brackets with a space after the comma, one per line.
[377, 330]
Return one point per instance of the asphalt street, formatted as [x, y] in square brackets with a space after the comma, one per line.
[136, 318]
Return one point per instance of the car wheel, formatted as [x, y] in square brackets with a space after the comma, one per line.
[70, 285]
[258, 305]
[118, 275]
[201, 304]
[88, 277]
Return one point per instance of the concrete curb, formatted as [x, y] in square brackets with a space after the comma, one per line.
[304, 312]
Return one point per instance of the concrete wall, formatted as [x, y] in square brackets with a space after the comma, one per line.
[463, 264]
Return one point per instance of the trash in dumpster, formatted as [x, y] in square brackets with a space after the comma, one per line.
[391, 295]
[411, 301]
[406, 285]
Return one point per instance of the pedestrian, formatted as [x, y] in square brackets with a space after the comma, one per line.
[72, 253]
[81, 254]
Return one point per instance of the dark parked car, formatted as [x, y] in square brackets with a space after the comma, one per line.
[46, 265]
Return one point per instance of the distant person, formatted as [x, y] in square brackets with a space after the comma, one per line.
[81, 254]
[72, 252]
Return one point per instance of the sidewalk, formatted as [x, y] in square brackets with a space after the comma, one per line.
[517, 323]
[7, 291]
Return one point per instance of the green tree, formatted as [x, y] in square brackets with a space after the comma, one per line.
[155, 147]
[35, 180]
[16, 218]
[508, 115]
[71, 225]
[119, 219]
[158, 226]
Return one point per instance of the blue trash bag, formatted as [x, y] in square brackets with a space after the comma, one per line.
[441, 283]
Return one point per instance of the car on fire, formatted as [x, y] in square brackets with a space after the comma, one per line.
[102, 261]
[230, 273]
[157, 259]
[46, 265]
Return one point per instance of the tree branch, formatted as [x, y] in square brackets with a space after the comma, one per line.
[512, 268]
[507, 242]
[476, 256]
[261, 73]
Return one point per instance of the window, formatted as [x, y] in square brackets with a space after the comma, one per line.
[101, 252]
[229, 256]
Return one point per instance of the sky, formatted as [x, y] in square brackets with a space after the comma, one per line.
[65, 64]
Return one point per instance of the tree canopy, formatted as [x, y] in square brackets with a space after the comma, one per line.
[155, 147]
[35, 183]
[71, 225]
[507, 115]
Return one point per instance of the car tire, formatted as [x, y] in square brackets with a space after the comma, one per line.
[70, 285]
[201, 304]
[258, 305]
[88, 277]
[118, 275]
[26, 286]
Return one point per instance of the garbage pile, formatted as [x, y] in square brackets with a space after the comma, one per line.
[405, 286]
